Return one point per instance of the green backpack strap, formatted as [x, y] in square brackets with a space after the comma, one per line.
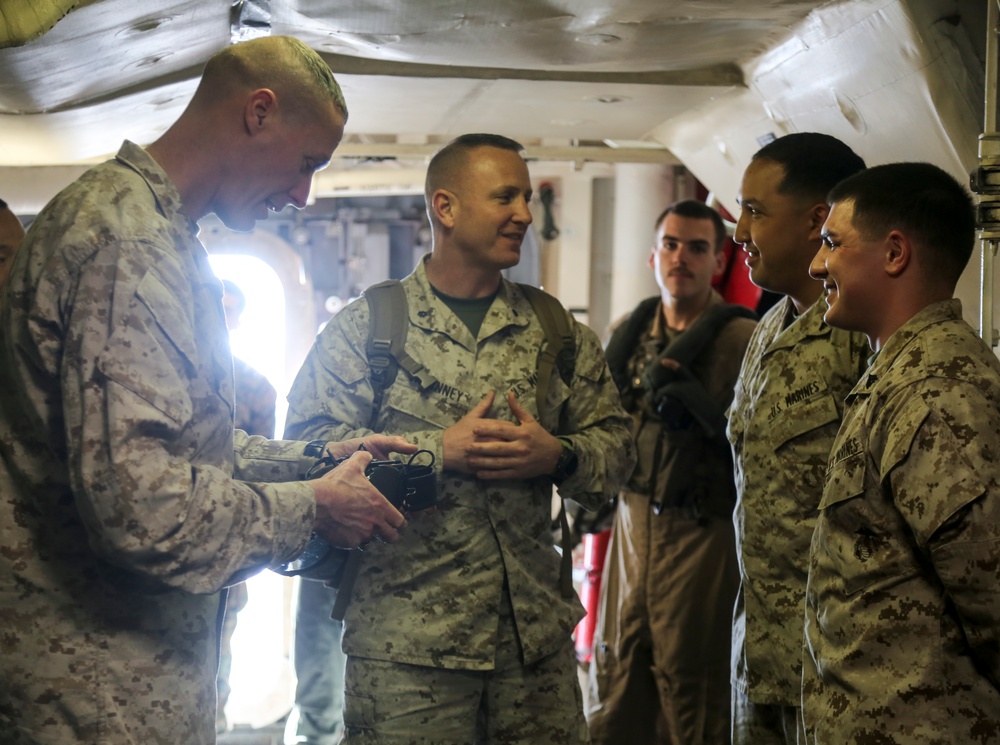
[386, 351]
[560, 348]
[560, 355]
[386, 345]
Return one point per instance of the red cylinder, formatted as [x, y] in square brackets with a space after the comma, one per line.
[595, 547]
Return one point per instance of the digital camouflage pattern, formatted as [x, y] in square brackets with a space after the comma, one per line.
[433, 598]
[255, 415]
[670, 579]
[903, 608]
[120, 519]
[255, 400]
[514, 704]
[785, 414]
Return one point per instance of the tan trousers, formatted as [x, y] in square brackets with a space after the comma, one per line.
[660, 669]
[389, 703]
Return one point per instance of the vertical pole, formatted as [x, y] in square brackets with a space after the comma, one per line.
[989, 160]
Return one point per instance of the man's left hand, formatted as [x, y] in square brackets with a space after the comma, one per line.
[504, 450]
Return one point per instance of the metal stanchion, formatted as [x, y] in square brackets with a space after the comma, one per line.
[985, 181]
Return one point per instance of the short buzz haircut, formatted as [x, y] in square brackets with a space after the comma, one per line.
[294, 70]
[695, 210]
[449, 161]
[813, 163]
[922, 201]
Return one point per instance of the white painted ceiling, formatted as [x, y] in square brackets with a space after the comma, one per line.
[701, 82]
[78, 77]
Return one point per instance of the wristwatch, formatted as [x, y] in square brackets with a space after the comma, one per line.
[567, 463]
[314, 448]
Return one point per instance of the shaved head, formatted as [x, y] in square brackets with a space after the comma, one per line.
[296, 73]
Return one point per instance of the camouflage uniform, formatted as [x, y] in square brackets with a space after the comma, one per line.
[902, 609]
[662, 640]
[785, 414]
[434, 598]
[255, 402]
[120, 519]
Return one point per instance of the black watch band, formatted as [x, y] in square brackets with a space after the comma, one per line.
[566, 465]
[314, 449]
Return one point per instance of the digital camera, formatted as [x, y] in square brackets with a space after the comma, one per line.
[409, 487]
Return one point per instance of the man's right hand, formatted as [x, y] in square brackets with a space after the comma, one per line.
[349, 510]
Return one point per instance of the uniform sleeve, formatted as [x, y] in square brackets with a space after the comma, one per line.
[138, 440]
[597, 427]
[942, 456]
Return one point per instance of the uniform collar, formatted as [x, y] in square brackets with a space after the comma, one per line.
[510, 308]
[659, 329]
[806, 325]
[168, 199]
[901, 338]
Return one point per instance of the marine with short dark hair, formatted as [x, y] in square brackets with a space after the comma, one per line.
[787, 407]
[662, 638]
[902, 607]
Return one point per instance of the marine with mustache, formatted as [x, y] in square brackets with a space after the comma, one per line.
[660, 669]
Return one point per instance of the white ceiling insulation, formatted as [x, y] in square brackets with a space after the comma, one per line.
[559, 70]
[644, 81]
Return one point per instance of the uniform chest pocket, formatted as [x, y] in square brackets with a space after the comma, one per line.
[407, 409]
[860, 535]
[801, 418]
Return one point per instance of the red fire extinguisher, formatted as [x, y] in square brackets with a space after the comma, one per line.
[595, 546]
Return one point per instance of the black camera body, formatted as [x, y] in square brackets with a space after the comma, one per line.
[409, 487]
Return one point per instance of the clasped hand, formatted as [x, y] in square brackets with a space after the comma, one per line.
[492, 449]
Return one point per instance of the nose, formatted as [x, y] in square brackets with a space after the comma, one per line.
[522, 215]
[679, 256]
[817, 269]
[741, 234]
[299, 193]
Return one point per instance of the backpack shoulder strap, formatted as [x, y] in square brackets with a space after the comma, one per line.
[560, 348]
[386, 345]
[386, 351]
[559, 354]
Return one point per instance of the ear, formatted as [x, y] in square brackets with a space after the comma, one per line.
[260, 105]
[898, 252]
[720, 262]
[651, 261]
[445, 206]
[817, 216]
